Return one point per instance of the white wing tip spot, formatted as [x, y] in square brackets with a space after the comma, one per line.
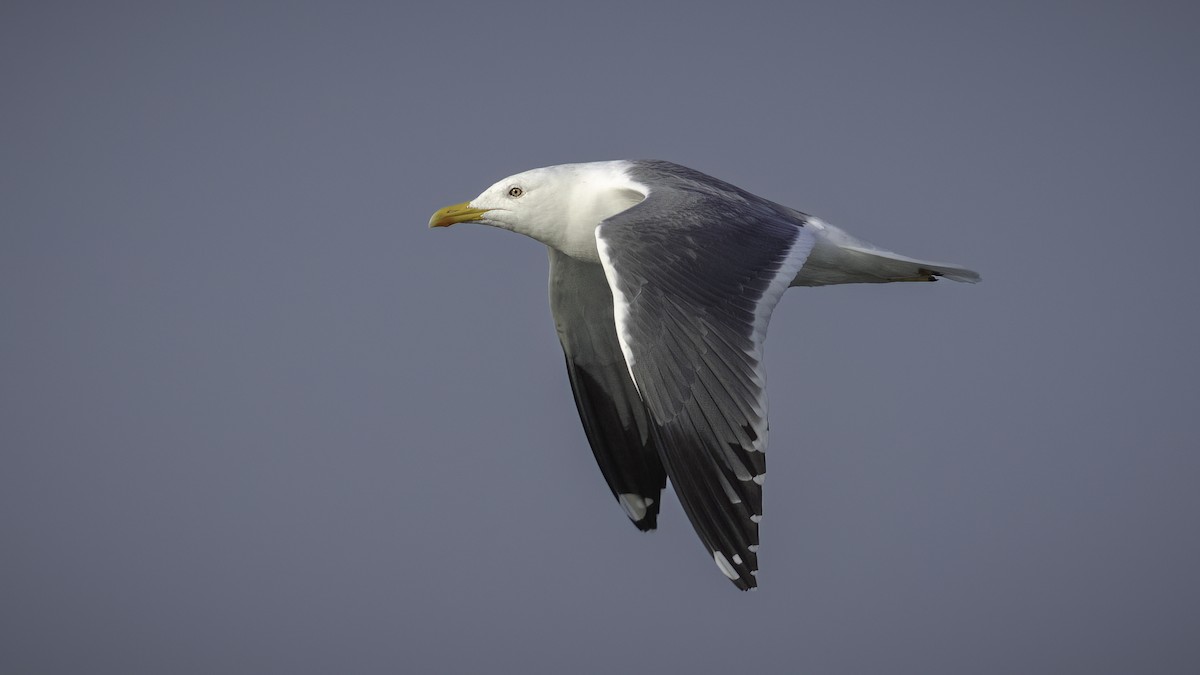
[756, 517]
[760, 478]
[724, 566]
[634, 505]
[753, 548]
[737, 559]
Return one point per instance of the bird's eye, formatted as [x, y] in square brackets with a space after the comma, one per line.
[515, 191]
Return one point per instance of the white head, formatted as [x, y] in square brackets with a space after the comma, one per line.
[559, 206]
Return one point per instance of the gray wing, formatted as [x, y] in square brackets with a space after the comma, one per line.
[614, 418]
[695, 274]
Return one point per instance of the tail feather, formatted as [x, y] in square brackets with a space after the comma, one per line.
[899, 266]
[841, 258]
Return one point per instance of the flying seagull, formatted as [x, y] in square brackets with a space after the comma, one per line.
[662, 282]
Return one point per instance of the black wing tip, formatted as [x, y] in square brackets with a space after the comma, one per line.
[629, 462]
[641, 510]
[650, 522]
[750, 584]
[646, 524]
[741, 571]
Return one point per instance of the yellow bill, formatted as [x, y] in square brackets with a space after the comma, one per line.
[457, 213]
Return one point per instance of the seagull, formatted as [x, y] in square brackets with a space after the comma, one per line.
[662, 283]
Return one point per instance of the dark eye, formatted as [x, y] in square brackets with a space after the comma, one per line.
[515, 191]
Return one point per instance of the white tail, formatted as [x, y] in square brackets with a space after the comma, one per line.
[897, 266]
[839, 258]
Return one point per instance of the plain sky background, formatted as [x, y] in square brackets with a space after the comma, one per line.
[256, 418]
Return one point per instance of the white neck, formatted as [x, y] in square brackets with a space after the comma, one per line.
[589, 194]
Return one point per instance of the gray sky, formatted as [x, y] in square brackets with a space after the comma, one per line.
[255, 417]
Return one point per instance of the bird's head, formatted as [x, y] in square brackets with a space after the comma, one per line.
[559, 206]
[516, 203]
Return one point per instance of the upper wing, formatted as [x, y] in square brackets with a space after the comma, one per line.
[613, 415]
[695, 277]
